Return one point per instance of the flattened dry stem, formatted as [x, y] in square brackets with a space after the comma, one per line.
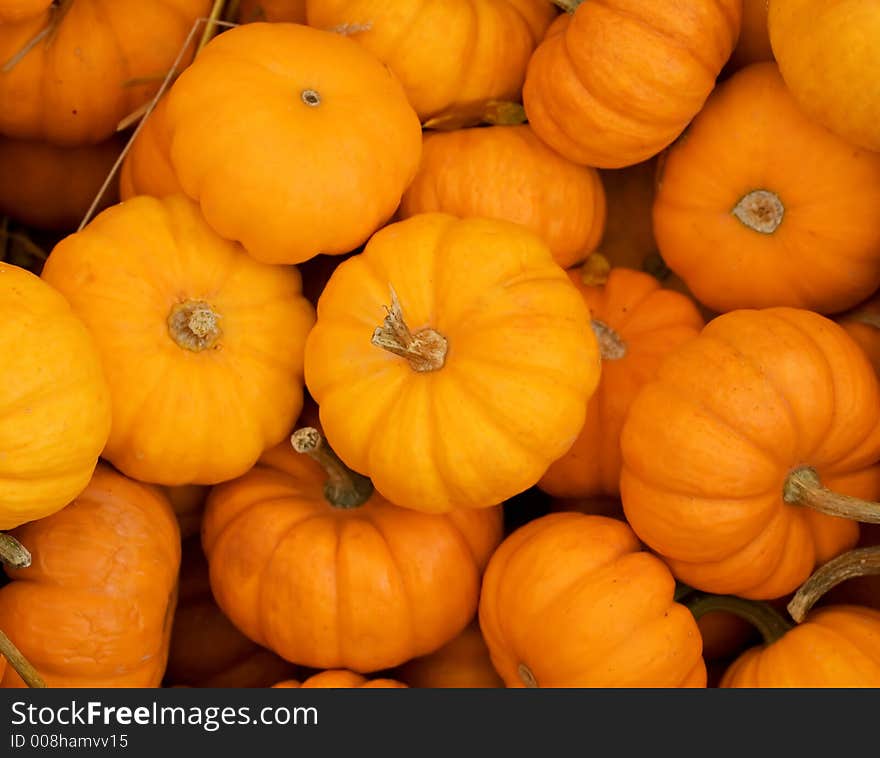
[760, 210]
[22, 666]
[13, 553]
[425, 350]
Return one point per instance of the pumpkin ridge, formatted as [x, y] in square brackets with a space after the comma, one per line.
[871, 653]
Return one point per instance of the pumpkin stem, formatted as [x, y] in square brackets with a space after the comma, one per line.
[611, 346]
[491, 112]
[344, 488]
[763, 616]
[864, 316]
[425, 350]
[569, 6]
[56, 12]
[760, 210]
[193, 325]
[22, 666]
[526, 676]
[595, 271]
[13, 553]
[803, 487]
[862, 561]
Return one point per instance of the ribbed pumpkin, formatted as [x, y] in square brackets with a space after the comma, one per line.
[477, 378]
[636, 324]
[307, 561]
[339, 679]
[100, 61]
[754, 37]
[202, 345]
[506, 172]
[54, 400]
[450, 56]
[863, 325]
[95, 607]
[292, 11]
[828, 56]
[13, 11]
[616, 81]
[570, 600]
[332, 144]
[147, 169]
[728, 451]
[766, 227]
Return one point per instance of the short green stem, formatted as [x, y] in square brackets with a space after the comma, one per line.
[344, 488]
[764, 617]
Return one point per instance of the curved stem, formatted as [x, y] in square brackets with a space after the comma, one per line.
[22, 666]
[13, 553]
[859, 562]
[425, 350]
[764, 617]
[803, 487]
[344, 488]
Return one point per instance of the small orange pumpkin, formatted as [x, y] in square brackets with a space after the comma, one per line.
[340, 679]
[863, 325]
[146, 169]
[290, 11]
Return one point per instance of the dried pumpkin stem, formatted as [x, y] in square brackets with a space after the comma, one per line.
[194, 325]
[803, 487]
[764, 617]
[526, 676]
[760, 210]
[344, 488]
[595, 271]
[611, 346]
[13, 553]
[569, 6]
[22, 666]
[492, 112]
[425, 350]
[862, 561]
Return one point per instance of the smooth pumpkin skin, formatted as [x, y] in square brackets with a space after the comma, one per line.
[317, 178]
[146, 169]
[511, 396]
[290, 11]
[462, 663]
[754, 37]
[734, 411]
[181, 416]
[650, 322]
[828, 56]
[836, 646]
[76, 88]
[449, 55]
[340, 679]
[863, 325]
[506, 172]
[825, 253]
[618, 80]
[13, 11]
[54, 400]
[206, 649]
[364, 589]
[575, 599]
[94, 609]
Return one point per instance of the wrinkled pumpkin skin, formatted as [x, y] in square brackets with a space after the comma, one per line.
[617, 81]
[95, 607]
[185, 411]
[340, 679]
[757, 395]
[74, 88]
[392, 583]
[290, 11]
[450, 56]
[54, 400]
[506, 172]
[570, 600]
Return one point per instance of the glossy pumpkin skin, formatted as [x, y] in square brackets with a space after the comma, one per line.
[754, 37]
[54, 400]
[863, 325]
[757, 395]
[450, 55]
[95, 607]
[146, 169]
[828, 54]
[206, 649]
[596, 92]
[571, 600]
[338, 141]
[364, 588]
[14, 11]
[185, 411]
[639, 324]
[506, 172]
[836, 646]
[829, 204]
[75, 88]
[520, 366]
[340, 679]
[289, 11]
[463, 662]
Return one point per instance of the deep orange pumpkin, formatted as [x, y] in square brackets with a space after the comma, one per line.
[147, 169]
[340, 678]
[14, 11]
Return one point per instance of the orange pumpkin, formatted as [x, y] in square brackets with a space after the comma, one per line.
[463, 662]
[450, 56]
[754, 37]
[307, 561]
[337, 143]
[202, 345]
[828, 56]
[863, 325]
[13, 11]
[615, 82]
[188, 503]
[206, 649]
[100, 61]
[490, 386]
[95, 607]
[506, 172]
[292, 11]
[147, 169]
[570, 600]
[55, 402]
[740, 429]
[636, 324]
[772, 228]
[340, 679]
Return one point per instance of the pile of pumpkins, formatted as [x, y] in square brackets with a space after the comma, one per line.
[484, 343]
